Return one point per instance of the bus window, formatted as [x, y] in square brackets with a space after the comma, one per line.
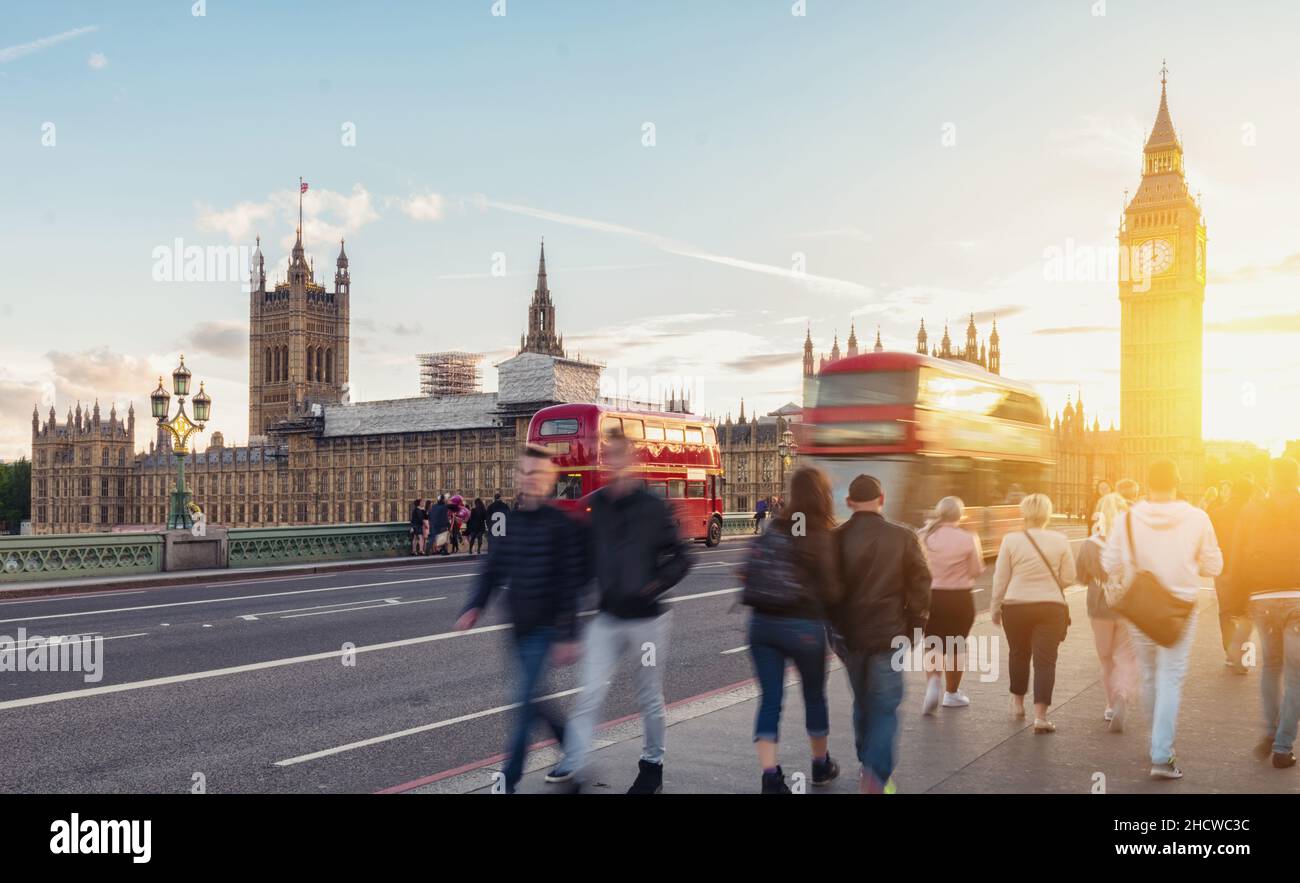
[568, 487]
[677, 489]
[694, 435]
[863, 388]
[710, 437]
[565, 426]
[676, 435]
[654, 432]
[695, 490]
[610, 424]
[633, 428]
[658, 488]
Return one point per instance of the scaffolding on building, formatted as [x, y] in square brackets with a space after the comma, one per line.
[449, 374]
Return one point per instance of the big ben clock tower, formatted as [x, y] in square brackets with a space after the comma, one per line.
[1162, 296]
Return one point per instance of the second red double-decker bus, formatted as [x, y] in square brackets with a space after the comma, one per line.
[928, 428]
[677, 456]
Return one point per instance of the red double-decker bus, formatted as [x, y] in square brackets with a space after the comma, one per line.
[677, 456]
[928, 428]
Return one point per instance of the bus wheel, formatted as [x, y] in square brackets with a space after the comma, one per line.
[715, 532]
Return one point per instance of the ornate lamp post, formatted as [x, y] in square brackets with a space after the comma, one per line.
[181, 428]
[787, 450]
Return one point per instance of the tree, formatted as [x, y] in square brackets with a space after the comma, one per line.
[15, 493]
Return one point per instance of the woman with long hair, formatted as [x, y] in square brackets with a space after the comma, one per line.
[791, 578]
[956, 560]
[1119, 666]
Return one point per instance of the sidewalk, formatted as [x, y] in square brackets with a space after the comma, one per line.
[979, 749]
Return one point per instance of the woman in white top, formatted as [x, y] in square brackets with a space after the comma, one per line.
[1034, 566]
[1119, 666]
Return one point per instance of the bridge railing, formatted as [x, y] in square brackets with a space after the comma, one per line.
[72, 556]
[260, 546]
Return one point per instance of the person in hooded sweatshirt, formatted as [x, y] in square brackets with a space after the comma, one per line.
[1174, 541]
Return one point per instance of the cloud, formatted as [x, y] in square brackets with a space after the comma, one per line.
[1101, 143]
[428, 207]
[328, 216]
[98, 61]
[1277, 323]
[1288, 266]
[681, 249]
[764, 361]
[551, 269]
[10, 53]
[1077, 329]
[17, 398]
[100, 373]
[223, 339]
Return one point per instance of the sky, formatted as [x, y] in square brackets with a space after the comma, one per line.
[712, 177]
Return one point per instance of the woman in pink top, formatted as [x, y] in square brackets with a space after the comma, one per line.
[956, 559]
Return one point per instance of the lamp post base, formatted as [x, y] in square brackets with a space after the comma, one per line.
[179, 517]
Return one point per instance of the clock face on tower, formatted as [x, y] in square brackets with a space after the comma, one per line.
[1155, 256]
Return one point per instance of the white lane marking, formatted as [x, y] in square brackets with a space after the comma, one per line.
[248, 582]
[681, 598]
[387, 603]
[424, 728]
[73, 597]
[276, 663]
[394, 582]
[253, 617]
[239, 669]
[741, 649]
[82, 640]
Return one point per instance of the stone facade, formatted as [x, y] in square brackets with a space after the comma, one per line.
[337, 462]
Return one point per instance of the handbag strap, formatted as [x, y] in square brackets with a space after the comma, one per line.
[1056, 579]
[1132, 547]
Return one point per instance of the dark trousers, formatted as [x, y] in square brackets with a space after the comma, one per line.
[1034, 633]
[476, 539]
[774, 640]
[532, 651]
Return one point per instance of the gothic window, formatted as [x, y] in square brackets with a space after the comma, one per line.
[266, 372]
[103, 457]
[329, 366]
[311, 363]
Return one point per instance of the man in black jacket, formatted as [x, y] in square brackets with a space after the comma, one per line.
[885, 600]
[637, 556]
[545, 570]
[497, 511]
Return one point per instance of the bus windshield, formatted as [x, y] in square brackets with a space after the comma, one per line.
[862, 388]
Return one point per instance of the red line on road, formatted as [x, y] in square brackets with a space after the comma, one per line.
[497, 758]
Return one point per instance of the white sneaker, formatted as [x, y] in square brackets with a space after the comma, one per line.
[933, 690]
[1108, 715]
[955, 700]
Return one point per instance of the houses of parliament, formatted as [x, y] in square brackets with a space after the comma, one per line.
[316, 458]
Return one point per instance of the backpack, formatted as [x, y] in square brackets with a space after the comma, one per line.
[771, 582]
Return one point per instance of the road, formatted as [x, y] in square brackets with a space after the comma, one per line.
[246, 683]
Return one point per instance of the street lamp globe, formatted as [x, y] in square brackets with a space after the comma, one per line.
[181, 379]
[202, 406]
[160, 399]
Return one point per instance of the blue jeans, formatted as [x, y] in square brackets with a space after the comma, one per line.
[1163, 670]
[877, 693]
[532, 650]
[1278, 621]
[772, 641]
[611, 642]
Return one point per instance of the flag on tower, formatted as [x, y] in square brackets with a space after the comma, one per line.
[302, 187]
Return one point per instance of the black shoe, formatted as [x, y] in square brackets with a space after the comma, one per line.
[650, 780]
[1282, 761]
[824, 771]
[774, 783]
